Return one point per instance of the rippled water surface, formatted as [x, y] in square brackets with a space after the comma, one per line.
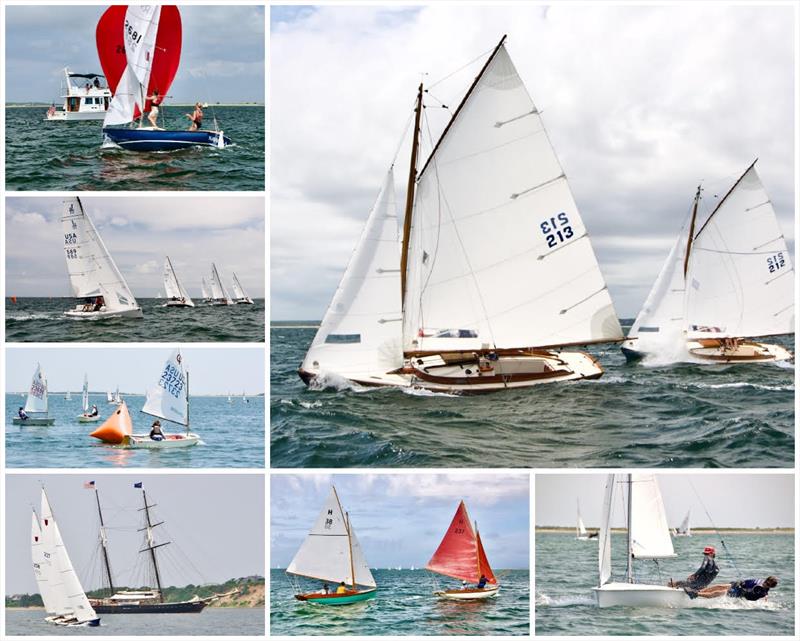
[232, 435]
[404, 605]
[68, 156]
[566, 572]
[42, 320]
[679, 415]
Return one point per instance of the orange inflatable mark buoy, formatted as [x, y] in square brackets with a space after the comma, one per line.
[14, 299]
[116, 427]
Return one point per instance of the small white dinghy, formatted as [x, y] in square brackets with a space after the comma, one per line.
[581, 533]
[36, 407]
[87, 416]
[684, 529]
[176, 295]
[92, 272]
[240, 296]
[648, 537]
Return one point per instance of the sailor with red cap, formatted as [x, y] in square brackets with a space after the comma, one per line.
[704, 575]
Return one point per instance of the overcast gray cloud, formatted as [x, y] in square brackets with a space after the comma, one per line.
[222, 53]
[641, 103]
[139, 232]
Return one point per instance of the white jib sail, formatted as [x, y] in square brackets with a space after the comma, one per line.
[325, 553]
[40, 566]
[123, 105]
[238, 290]
[741, 278]
[361, 330]
[169, 399]
[499, 255]
[92, 271]
[604, 550]
[172, 286]
[218, 291]
[37, 394]
[650, 537]
[85, 393]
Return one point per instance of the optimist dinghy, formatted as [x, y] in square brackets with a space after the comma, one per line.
[36, 403]
[722, 286]
[87, 416]
[93, 274]
[460, 555]
[331, 553]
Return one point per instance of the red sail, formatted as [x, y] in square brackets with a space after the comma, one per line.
[111, 45]
[483, 562]
[457, 554]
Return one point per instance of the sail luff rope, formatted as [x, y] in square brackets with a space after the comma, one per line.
[719, 534]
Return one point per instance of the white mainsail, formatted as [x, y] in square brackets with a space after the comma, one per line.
[204, 288]
[41, 569]
[238, 290]
[92, 271]
[85, 393]
[649, 535]
[683, 528]
[37, 394]
[604, 555]
[361, 329]
[169, 399]
[326, 552]
[581, 528]
[172, 286]
[499, 256]
[218, 291]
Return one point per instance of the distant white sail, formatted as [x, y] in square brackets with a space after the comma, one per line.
[581, 527]
[218, 291]
[169, 398]
[683, 528]
[204, 288]
[172, 286]
[85, 399]
[650, 538]
[37, 394]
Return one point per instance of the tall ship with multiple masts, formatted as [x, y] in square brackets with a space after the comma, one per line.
[495, 277]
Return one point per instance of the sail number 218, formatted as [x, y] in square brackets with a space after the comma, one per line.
[556, 229]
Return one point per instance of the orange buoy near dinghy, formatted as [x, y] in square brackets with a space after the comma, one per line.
[117, 427]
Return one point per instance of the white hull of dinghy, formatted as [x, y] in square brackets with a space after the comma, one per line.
[470, 594]
[170, 441]
[637, 595]
[78, 313]
[88, 419]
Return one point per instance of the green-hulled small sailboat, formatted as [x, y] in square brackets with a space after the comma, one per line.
[331, 554]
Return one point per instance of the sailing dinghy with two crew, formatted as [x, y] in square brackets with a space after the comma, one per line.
[495, 277]
[726, 283]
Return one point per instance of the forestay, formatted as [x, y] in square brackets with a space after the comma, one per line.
[499, 256]
[37, 394]
[92, 271]
[361, 329]
[169, 398]
[650, 537]
[325, 553]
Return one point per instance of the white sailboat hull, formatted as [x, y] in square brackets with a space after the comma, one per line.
[33, 421]
[636, 595]
[170, 441]
[78, 313]
[588, 538]
[470, 594]
[177, 303]
[88, 419]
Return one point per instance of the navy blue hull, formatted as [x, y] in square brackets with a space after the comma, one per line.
[631, 355]
[162, 140]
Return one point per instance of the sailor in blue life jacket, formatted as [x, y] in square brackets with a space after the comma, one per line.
[22, 414]
[704, 575]
[482, 582]
[749, 589]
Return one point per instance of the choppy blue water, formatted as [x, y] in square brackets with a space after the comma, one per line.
[682, 415]
[232, 435]
[67, 156]
[42, 320]
[404, 605]
[209, 622]
[566, 571]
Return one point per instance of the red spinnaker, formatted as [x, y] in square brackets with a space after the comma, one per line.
[460, 554]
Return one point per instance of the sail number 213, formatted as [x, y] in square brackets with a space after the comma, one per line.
[556, 229]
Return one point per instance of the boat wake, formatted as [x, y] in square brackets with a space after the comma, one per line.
[548, 601]
[23, 316]
[758, 386]
[329, 380]
[729, 603]
[419, 391]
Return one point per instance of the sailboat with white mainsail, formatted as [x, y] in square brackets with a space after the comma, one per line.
[684, 529]
[176, 295]
[204, 290]
[647, 537]
[36, 406]
[461, 556]
[88, 415]
[219, 294]
[581, 533]
[495, 276]
[68, 396]
[62, 594]
[332, 554]
[725, 283]
[240, 296]
[93, 274]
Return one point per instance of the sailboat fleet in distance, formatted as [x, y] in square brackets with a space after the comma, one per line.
[490, 280]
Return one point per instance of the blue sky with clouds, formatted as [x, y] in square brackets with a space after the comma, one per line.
[222, 55]
[400, 518]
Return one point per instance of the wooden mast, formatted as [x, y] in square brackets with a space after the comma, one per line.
[412, 181]
[691, 232]
[150, 546]
[104, 542]
[350, 547]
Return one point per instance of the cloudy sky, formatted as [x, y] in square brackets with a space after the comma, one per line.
[732, 500]
[400, 518]
[214, 370]
[641, 104]
[222, 57]
[209, 532]
[139, 232]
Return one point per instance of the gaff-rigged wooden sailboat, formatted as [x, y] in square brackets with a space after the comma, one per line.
[722, 286]
[36, 405]
[461, 556]
[176, 295]
[86, 416]
[150, 39]
[331, 554]
[93, 274]
[62, 594]
[581, 533]
[240, 296]
[496, 274]
[647, 538]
